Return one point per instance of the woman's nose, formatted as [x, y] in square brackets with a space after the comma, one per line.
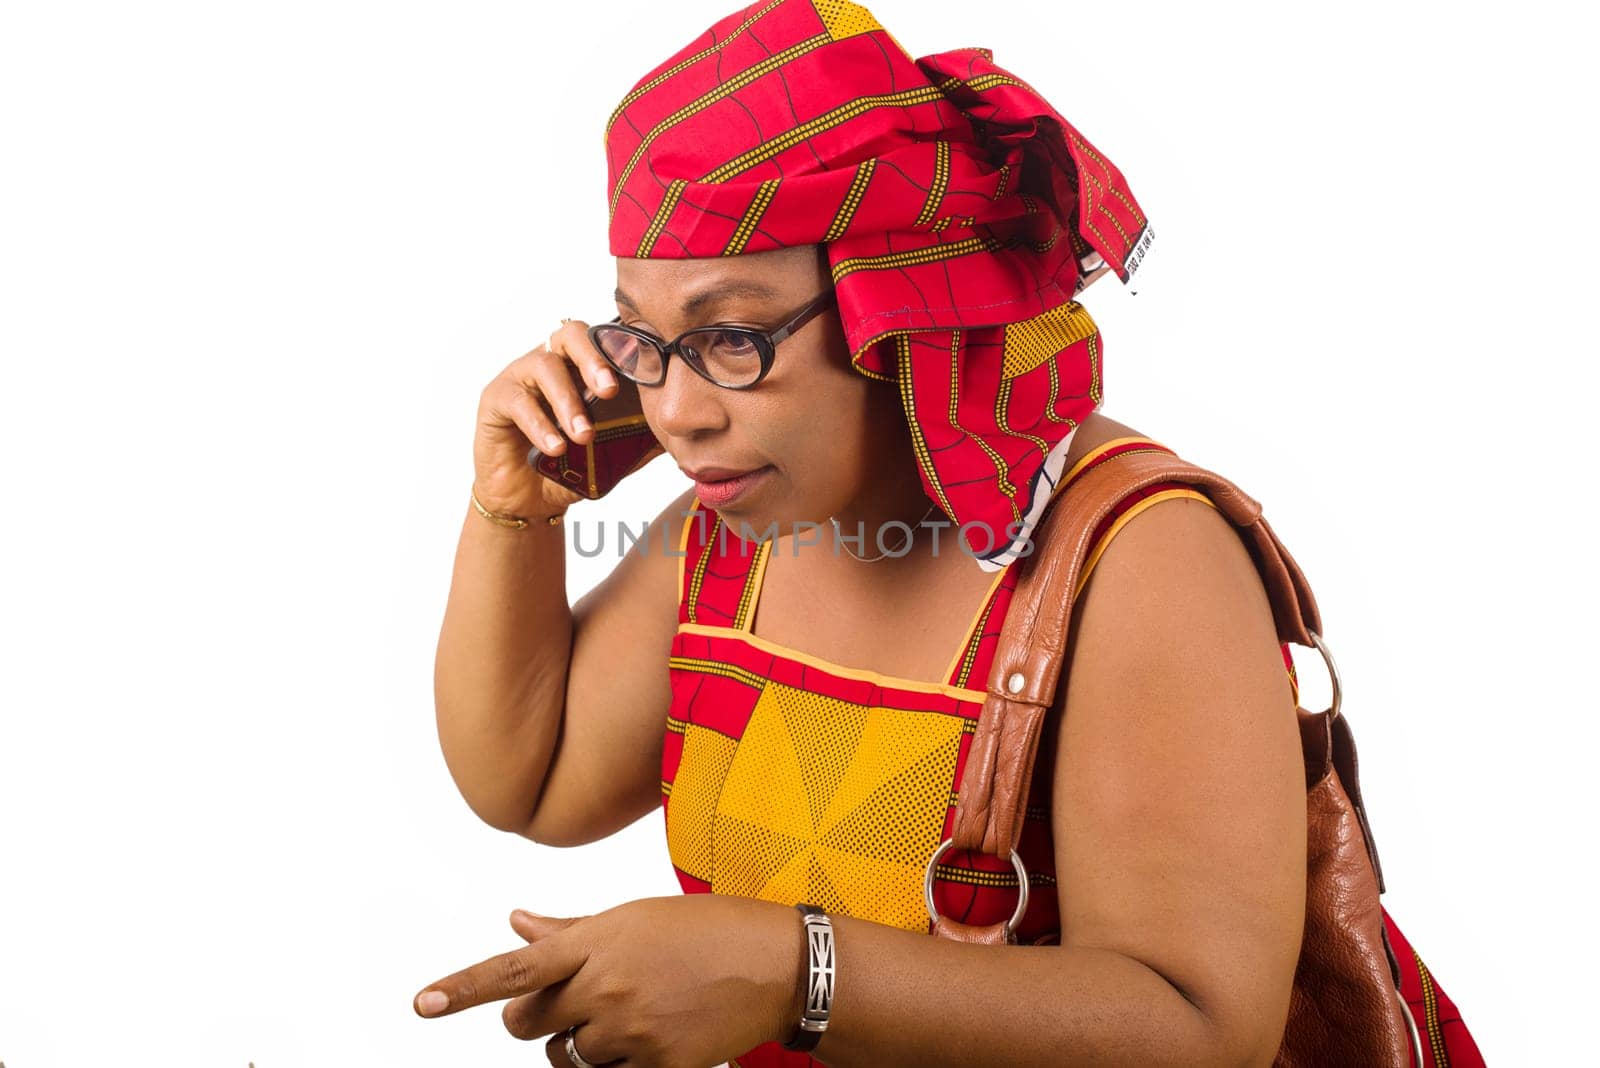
[686, 404]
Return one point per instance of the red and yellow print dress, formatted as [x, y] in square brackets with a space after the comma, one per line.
[789, 778]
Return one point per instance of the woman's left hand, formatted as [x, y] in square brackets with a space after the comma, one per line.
[689, 980]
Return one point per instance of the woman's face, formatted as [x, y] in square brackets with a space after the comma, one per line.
[816, 431]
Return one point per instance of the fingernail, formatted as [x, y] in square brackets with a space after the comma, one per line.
[432, 1001]
[553, 441]
[607, 378]
[528, 915]
[579, 424]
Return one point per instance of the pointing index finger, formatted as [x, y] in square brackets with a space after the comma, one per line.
[507, 975]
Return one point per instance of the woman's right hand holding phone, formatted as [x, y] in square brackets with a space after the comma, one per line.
[531, 405]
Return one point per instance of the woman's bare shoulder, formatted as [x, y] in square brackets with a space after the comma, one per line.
[1095, 430]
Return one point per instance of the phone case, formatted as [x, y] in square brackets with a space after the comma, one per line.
[621, 444]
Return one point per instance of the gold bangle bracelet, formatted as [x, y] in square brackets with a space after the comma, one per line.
[514, 521]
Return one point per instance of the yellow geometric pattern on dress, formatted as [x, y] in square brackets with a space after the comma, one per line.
[1034, 341]
[690, 816]
[743, 618]
[960, 671]
[823, 800]
[798, 656]
[716, 667]
[1000, 880]
[705, 559]
[683, 544]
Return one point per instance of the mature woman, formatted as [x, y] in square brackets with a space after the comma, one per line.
[907, 237]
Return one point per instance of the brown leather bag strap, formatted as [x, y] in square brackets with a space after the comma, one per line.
[1027, 664]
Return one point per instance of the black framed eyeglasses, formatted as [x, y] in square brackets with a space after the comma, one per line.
[733, 357]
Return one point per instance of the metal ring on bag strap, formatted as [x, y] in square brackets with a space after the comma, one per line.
[1022, 883]
[1333, 672]
[1411, 1029]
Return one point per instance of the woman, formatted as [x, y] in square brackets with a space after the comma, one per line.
[806, 734]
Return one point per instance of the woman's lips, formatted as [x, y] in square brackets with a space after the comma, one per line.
[721, 492]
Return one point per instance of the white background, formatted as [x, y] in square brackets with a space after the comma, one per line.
[257, 261]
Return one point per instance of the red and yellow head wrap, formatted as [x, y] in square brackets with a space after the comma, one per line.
[960, 211]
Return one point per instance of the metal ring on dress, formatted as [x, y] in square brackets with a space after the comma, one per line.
[1333, 673]
[572, 1050]
[1022, 884]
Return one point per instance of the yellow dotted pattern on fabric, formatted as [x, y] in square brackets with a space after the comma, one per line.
[844, 19]
[1034, 341]
[700, 564]
[726, 89]
[1008, 489]
[672, 72]
[669, 204]
[852, 200]
[752, 587]
[999, 880]
[969, 652]
[821, 800]
[714, 667]
[891, 261]
[752, 217]
[706, 756]
[1430, 1010]
[939, 185]
[839, 116]
[1002, 413]
[919, 444]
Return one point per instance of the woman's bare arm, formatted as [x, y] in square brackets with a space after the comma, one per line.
[550, 716]
[606, 772]
[1179, 822]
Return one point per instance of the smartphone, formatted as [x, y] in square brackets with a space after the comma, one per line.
[620, 444]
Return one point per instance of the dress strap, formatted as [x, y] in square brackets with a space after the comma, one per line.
[719, 572]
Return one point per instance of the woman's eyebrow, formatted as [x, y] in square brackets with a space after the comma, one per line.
[713, 294]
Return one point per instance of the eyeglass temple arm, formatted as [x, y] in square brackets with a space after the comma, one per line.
[804, 316]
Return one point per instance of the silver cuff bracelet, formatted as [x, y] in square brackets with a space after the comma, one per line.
[819, 979]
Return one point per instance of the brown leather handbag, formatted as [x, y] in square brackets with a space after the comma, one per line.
[1346, 1006]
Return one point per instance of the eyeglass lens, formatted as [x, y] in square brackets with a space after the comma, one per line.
[730, 357]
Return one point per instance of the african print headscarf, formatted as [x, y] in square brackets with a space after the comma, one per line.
[960, 211]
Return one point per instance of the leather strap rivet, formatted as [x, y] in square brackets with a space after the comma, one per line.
[1015, 682]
